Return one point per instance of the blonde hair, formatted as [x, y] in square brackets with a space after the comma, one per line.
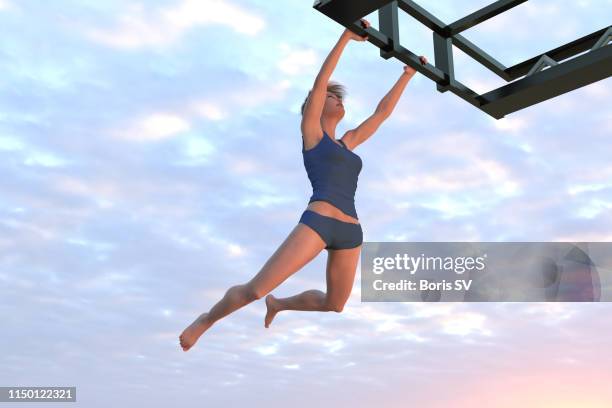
[332, 86]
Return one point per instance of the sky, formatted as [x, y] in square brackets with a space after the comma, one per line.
[150, 158]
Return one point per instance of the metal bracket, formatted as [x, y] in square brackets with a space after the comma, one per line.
[604, 40]
[543, 62]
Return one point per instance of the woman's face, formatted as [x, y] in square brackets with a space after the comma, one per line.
[333, 105]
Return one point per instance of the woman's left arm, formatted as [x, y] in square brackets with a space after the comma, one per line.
[387, 104]
[361, 133]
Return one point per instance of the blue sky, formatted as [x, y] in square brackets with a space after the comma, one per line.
[151, 158]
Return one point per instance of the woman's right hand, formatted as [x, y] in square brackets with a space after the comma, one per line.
[352, 36]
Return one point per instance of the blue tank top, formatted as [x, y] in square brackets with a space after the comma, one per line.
[333, 171]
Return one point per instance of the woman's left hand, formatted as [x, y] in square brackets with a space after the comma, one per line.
[411, 71]
[365, 24]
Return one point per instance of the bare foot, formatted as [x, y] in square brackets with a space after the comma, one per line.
[192, 333]
[272, 306]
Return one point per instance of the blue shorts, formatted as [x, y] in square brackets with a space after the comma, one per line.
[336, 234]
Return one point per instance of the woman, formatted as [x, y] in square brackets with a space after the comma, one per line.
[330, 220]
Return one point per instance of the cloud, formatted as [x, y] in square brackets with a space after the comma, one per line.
[237, 99]
[139, 27]
[153, 127]
[110, 255]
[5, 5]
[510, 124]
[297, 61]
[31, 155]
[459, 163]
[465, 323]
[210, 110]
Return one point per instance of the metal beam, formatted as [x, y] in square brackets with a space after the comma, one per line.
[384, 42]
[443, 53]
[411, 59]
[558, 54]
[347, 12]
[538, 85]
[437, 75]
[479, 16]
[421, 15]
[388, 25]
[436, 25]
[481, 56]
[577, 72]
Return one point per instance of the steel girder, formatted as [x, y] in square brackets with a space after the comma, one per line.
[537, 85]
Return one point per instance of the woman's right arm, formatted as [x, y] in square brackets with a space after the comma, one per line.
[311, 120]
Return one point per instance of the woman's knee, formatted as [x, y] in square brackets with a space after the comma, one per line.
[242, 294]
[334, 306]
[252, 292]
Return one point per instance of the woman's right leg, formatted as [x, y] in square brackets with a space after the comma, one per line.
[299, 248]
[341, 269]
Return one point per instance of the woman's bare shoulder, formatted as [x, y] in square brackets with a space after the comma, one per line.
[311, 137]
